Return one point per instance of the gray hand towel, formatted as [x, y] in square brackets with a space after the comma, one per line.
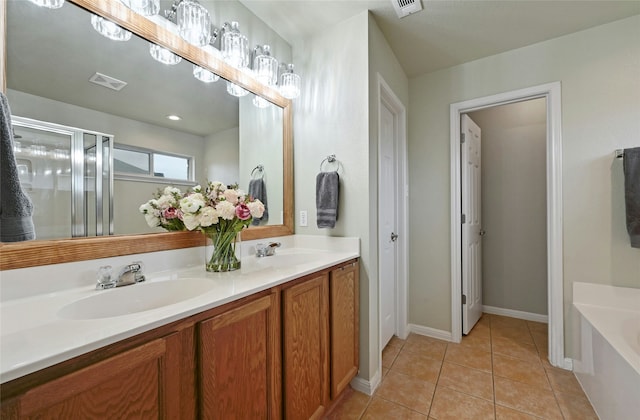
[16, 208]
[327, 192]
[258, 189]
[631, 164]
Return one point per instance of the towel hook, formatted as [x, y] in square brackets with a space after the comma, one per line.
[260, 169]
[330, 159]
[619, 153]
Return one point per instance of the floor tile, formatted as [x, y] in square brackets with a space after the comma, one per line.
[519, 350]
[538, 327]
[451, 404]
[396, 342]
[526, 398]
[407, 391]
[531, 373]
[575, 407]
[521, 335]
[351, 407]
[426, 346]
[504, 321]
[381, 409]
[467, 380]
[563, 381]
[389, 355]
[506, 413]
[468, 356]
[417, 365]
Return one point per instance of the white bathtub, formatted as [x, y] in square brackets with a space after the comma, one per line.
[608, 367]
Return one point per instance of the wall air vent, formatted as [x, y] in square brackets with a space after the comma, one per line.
[406, 7]
[107, 81]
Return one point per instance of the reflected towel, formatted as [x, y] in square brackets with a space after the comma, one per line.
[258, 190]
[16, 208]
[631, 164]
[327, 192]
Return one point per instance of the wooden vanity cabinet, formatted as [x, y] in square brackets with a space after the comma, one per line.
[143, 383]
[344, 302]
[239, 362]
[305, 338]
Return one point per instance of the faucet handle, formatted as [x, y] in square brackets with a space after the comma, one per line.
[136, 268]
[105, 278]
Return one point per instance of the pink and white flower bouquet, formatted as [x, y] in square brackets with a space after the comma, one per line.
[220, 212]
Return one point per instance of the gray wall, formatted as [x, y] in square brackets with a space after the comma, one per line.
[514, 249]
[598, 69]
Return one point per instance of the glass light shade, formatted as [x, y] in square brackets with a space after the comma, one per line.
[204, 75]
[235, 49]
[49, 4]
[290, 85]
[265, 67]
[163, 55]
[109, 29]
[260, 102]
[194, 23]
[143, 7]
[235, 90]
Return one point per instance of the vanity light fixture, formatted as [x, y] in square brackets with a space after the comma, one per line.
[204, 75]
[289, 83]
[194, 22]
[109, 29]
[143, 7]
[49, 4]
[235, 90]
[260, 102]
[163, 55]
[265, 66]
[234, 46]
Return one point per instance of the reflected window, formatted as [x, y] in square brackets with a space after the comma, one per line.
[138, 162]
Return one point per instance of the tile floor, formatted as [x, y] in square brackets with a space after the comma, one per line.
[499, 371]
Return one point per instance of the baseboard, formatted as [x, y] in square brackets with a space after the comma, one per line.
[364, 386]
[527, 316]
[430, 332]
[568, 364]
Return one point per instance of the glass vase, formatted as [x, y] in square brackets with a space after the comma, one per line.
[223, 251]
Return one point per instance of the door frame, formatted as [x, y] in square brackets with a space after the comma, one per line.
[387, 98]
[555, 281]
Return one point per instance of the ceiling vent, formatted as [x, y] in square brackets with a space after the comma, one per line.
[406, 7]
[107, 81]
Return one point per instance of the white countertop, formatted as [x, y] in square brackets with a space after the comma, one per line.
[33, 334]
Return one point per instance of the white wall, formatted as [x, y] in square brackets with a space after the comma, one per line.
[598, 69]
[221, 154]
[331, 117]
[514, 205]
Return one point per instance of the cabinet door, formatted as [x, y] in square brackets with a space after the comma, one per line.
[132, 384]
[306, 349]
[344, 326]
[240, 362]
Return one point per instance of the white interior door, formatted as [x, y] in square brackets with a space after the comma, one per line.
[387, 220]
[471, 224]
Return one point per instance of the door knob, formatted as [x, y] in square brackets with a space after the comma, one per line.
[393, 237]
[483, 232]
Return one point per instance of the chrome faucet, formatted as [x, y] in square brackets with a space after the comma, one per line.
[268, 250]
[129, 274]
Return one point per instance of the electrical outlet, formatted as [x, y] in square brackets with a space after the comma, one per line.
[303, 218]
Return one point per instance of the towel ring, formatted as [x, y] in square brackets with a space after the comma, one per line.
[260, 169]
[330, 159]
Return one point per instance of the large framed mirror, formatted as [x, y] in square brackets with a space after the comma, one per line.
[205, 123]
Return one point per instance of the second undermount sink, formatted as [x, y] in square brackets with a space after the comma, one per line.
[135, 298]
[288, 259]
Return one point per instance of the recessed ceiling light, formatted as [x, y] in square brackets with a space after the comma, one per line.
[174, 117]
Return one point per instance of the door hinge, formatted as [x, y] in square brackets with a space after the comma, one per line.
[464, 218]
[464, 299]
[462, 137]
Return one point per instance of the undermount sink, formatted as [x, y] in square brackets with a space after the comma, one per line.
[135, 298]
[288, 259]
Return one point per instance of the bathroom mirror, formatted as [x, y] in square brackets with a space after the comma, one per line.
[202, 116]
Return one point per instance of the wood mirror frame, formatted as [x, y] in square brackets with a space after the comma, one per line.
[36, 253]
